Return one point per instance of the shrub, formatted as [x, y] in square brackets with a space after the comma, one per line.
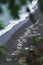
[3, 53]
[22, 49]
[35, 58]
[1, 25]
[35, 40]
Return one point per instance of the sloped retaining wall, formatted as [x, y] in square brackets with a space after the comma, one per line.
[6, 36]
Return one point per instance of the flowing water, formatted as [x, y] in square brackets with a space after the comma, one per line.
[6, 17]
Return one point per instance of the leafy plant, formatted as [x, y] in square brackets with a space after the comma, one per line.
[35, 58]
[3, 53]
[1, 25]
[22, 49]
[35, 40]
[14, 7]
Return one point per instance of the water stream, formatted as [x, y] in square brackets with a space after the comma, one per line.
[6, 17]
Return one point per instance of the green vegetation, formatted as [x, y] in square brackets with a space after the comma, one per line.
[15, 7]
[34, 56]
[35, 40]
[1, 25]
[40, 4]
[22, 49]
[23, 2]
[3, 1]
[3, 53]
[30, 0]
[15, 14]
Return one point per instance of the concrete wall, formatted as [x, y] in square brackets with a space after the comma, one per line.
[6, 36]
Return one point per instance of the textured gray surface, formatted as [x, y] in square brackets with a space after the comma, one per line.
[4, 38]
